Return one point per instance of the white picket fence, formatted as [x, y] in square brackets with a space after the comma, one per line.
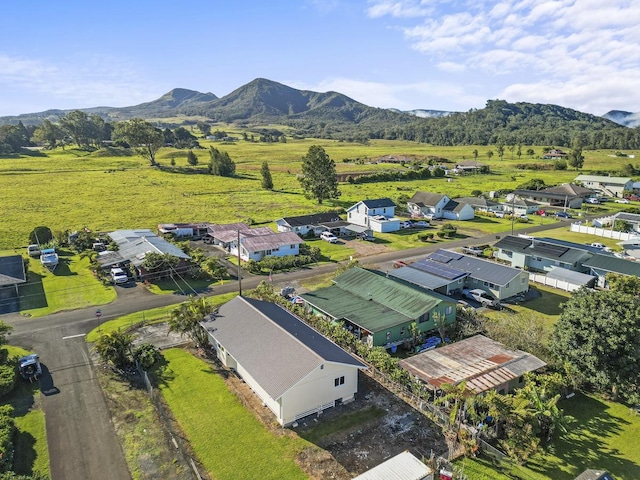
[553, 282]
[602, 232]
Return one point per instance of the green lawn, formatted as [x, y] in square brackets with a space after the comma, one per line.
[227, 439]
[71, 285]
[32, 453]
[546, 305]
[604, 436]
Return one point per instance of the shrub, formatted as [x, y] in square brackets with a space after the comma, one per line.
[7, 428]
[147, 355]
[8, 378]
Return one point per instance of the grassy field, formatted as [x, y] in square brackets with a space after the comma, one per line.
[72, 189]
[71, 285]
[32, 453]
[227, 439]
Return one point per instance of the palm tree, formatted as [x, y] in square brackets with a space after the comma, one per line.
[115, 347]
[186, 318]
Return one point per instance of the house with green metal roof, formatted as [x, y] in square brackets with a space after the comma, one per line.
[377, 309]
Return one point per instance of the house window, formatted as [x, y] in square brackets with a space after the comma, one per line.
[448, 310]
[402, 331]
[521, 379]
[523, 280]
[388, 335]
[338, 381]
[292, 247]
[506, 286]
[349, 214]
[267, 252]
[423, 318]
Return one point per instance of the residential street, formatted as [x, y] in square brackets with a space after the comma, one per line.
[82, 441]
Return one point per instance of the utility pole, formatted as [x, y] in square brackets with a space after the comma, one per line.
[239, 267]
[513, 211]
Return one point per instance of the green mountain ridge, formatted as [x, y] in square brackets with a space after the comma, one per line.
[334, 115]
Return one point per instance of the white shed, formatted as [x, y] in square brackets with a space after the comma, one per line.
[404, 466]
[294, 370]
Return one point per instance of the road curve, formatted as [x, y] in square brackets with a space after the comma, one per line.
[81, 438]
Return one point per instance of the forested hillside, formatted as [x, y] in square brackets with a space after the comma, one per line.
[332, 115]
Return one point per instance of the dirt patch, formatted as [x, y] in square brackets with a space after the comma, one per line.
[364, 446]
[364, 248]
[354, 450]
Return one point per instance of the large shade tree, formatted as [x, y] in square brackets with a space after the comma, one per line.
[143, 137]
[319, 175]
[598, 334]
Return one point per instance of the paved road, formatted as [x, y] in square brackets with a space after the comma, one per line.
[81, 438]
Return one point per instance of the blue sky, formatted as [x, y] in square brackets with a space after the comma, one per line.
[405, 54]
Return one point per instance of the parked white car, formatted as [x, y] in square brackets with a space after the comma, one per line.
[119, 276]
[622, 200]
[329, 237]
[481, 297]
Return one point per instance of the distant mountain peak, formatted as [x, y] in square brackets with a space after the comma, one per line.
[621, 117]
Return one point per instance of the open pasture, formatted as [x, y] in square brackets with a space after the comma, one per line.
[72, 189]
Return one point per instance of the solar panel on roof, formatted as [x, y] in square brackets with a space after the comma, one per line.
[450, 254]
[438, 257]
[438, 269]
[549, 249]
[518, 242]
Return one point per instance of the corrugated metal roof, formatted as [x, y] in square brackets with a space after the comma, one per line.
[133, 245]
[482, 362]
[367, 314]
[269, 241]
[399, 297]
[403, 466]
[275, 347]
[213, 229]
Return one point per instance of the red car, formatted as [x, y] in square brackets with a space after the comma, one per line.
[542, 213]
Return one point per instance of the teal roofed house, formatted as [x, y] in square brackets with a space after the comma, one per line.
[378, 309]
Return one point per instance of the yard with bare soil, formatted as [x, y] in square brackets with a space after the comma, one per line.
[356, 436]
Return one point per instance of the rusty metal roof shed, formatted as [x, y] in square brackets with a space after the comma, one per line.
[481, 361]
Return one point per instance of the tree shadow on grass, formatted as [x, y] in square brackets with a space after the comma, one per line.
[25, 453]
[584, 445]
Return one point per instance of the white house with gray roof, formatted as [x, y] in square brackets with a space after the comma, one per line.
[294, 370]
[303, 224]
[377, 215]
[438, 205]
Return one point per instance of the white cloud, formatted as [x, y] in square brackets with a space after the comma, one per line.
[577, 45]
[451, 67]
[81, 82]
[398, 9]
[403, 96]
